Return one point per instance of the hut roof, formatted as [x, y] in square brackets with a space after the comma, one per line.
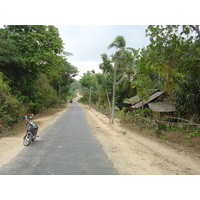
[132, 100]
[154, 96]
[151, 98]
[161, 107]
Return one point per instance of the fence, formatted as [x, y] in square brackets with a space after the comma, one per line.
[146, 122]
[170, 122]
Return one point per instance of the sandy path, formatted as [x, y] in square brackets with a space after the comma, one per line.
[134, 154]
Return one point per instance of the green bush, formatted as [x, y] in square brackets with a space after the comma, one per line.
[34, 107]
[47, 96]
[10, 107]
[161, 127]
[193, 134]
[142, 112]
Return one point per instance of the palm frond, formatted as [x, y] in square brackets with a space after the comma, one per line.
[118, 43]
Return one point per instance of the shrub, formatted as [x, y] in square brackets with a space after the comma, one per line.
[161, 127]
[47, 96]
[33, 107]
[10, 107]
[193, 134]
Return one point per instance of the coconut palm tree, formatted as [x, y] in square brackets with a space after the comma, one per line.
[124, 59]
[120, 44]
[126, 76]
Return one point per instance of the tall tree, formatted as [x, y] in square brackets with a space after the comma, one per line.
[124, 60]
[10, 60]
[120, 44]
[62, 77]
[126, 76]
[40, 48]
[175, 54]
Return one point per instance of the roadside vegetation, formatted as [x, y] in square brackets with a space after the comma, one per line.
[170, 63]
[36, 75]
[34, 71]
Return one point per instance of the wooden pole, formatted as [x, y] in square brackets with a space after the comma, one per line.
[113, 97]
[90, 97]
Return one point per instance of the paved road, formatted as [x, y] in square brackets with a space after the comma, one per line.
[68, 147]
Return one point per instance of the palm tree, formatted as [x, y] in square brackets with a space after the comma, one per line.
[120, 44]
[127, 74]
[123, 60]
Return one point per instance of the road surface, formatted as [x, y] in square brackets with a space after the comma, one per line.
[68, 147]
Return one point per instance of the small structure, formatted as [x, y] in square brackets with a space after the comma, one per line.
[155, 102]
[161, 109]
[130, 102]
[155, 97]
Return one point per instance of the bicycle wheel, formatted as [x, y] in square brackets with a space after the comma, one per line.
[27, 139]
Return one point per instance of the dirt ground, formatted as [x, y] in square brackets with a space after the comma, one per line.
[131, 152]
[135, 154]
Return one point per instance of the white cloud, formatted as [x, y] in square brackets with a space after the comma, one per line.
[84, 66]
[87, 43]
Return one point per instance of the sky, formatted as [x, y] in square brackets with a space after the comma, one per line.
[88, 42]
[88, 27]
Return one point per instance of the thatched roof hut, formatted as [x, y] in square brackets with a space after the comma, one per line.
[162, 107]
[155, 102]
[159, 95]
[132, 100]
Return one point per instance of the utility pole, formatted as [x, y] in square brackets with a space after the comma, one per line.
[113, 97]
[90, 96]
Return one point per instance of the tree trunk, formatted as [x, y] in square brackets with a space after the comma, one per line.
[113, 99]
[59, 91]
[109, 104]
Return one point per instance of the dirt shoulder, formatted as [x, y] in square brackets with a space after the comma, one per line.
[135, 154]
[131, 152]
[11, 145]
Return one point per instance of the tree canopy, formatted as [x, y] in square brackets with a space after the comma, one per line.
[34, 63]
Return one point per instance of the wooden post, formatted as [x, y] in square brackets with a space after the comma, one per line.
[113, 98]
[90, 96]
[0, 126]
[59, 91]
[109, 105]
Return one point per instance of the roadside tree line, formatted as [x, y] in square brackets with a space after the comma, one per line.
[34, 71]
[170, 63]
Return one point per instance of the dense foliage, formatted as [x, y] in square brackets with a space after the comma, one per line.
[171, 62]
[35, 73]
[10, 107]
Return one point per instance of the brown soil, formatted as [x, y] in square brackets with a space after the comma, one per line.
[134, 152]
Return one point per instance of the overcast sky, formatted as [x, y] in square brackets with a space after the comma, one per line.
[87, 43]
